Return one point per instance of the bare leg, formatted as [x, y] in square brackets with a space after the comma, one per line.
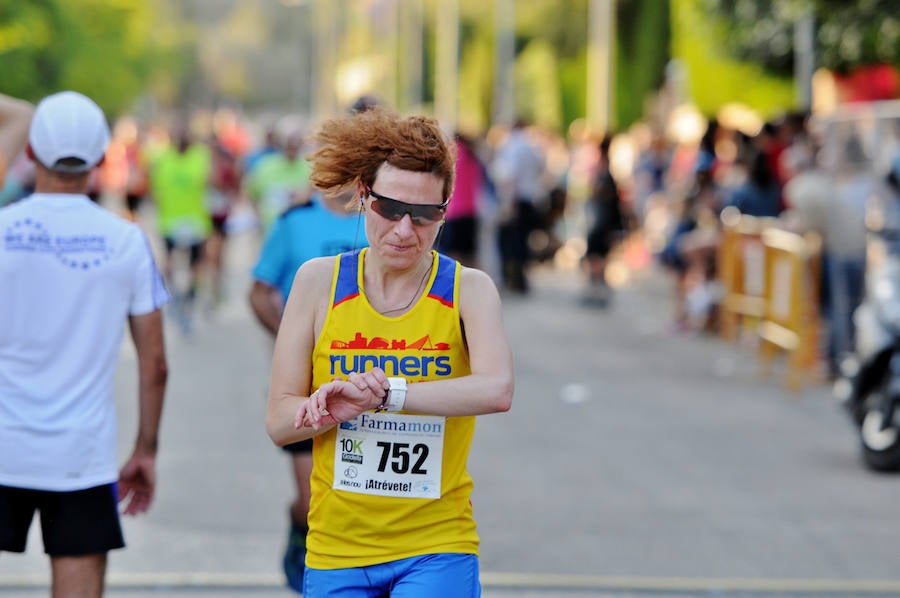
[198, 267]
[597, 292]
[681, 288]
[78, 576]
[213, 255]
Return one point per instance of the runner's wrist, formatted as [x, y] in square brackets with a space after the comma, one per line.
[395, 398]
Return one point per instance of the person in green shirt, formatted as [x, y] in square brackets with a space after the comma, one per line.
[279, 181]
[179, 175]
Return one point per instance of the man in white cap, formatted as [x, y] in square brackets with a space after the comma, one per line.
[72, 274]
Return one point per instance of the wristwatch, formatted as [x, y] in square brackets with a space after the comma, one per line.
[395, 397]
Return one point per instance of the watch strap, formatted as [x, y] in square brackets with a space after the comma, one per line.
[395, 398]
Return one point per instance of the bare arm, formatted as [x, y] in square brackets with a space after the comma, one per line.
[137, 479]
[292, 359]
[15, 118]
[489, 388]
[265, 301]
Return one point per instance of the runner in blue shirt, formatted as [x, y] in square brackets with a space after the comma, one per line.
[320, 227]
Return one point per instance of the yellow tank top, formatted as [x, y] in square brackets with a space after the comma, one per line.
[387, 486]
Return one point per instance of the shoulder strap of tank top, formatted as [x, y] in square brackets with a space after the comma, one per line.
[347, 285]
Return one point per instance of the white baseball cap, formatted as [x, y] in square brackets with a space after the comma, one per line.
[68, 126]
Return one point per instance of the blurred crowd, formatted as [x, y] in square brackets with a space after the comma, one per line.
[523, 196]
[796, 173]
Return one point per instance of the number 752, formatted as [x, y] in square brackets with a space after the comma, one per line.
[400, 455]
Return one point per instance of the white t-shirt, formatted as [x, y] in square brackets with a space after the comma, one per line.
[846, 235]
[71, 273]
[807, 196]
[520, 164]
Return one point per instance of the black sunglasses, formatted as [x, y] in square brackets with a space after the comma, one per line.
[394, 209]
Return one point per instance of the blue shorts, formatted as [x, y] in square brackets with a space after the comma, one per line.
[445, 575]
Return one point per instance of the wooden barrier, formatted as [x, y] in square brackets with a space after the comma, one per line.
[741, 272]
[791, 316]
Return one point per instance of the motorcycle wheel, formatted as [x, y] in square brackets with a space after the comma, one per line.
[881, 448]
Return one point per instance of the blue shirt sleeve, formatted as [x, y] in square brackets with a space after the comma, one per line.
[274, 258]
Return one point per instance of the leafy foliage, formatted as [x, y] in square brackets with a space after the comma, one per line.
[643, 40]
[188, 53]
[108, 49]
[711, 76]
[551, 57]
[848, 34]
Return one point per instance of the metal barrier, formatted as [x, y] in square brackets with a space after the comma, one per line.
[791, 320]
[741, 272]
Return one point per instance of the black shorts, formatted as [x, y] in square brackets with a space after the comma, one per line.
[600, 242]
[74, 523]
[196, 250]
[303, 446]
[133, 202]
[218, 222]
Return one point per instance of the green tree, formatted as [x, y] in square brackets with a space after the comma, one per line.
[551, 59]
[848, 34]
[643, 41]
[713, 77]
[111, 50]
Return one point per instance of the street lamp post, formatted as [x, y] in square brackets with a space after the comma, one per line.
[447, 59]
[411, 53]
[601, 16]
[504, 60]
[390, 50]
[804, 57]
[301, 90]
[325, 62]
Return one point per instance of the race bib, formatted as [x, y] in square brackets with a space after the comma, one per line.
[390, 454]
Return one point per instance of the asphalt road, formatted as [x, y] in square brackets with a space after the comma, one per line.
[634, 462]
